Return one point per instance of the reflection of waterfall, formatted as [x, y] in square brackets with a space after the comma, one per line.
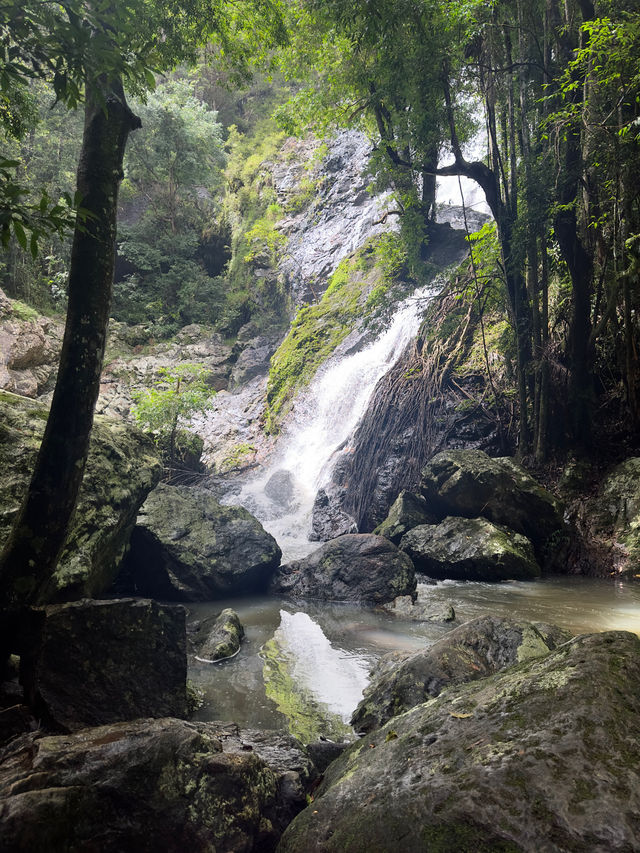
[323, 418]
[316, 686]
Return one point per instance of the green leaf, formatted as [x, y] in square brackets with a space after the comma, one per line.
[21, 237]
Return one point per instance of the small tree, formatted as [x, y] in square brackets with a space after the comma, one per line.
[181, 393]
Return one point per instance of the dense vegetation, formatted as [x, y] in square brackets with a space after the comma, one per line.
[555, 86]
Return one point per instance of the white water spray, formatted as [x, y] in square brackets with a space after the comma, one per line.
[323, 418]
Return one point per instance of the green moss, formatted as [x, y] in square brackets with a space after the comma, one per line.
[22, 311]
[317, 331]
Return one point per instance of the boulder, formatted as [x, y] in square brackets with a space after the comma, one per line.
[471, 651]
[356, 567]
[469, 483]
[540, 758]
[471, 549]
[328, 520]
[150, 785]
[407, 512]
[188, 547]
[421, 610]
[121, 470]
[218, 638]
[280, 488]
[95, 662]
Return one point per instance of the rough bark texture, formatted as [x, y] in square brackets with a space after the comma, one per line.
[33, 549]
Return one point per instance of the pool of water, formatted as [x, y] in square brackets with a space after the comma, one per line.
[303, 665]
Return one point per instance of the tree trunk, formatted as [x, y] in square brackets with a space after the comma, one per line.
[39, 532]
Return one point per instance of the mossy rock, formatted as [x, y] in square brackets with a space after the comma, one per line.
[469, 483]
[407, 512]
[471, 549]
[616, 512]
[474, 650]
[505, 763]
[122, 468]
[219, 637]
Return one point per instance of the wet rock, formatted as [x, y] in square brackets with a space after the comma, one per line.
[502, 764]
[340, 215]
[470, 549]
[95, 662]
[323, 752]
[407, 511]
[149, 785]
[328, 520]
[219, 638]
[474, 650]
[469, 483]
[421, 610]
[122, 468]
[280, 488]
[355, 567]
[188, 547]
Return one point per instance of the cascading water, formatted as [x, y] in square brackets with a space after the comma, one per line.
[323, 418]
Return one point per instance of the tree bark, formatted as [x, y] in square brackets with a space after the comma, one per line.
[32, 551]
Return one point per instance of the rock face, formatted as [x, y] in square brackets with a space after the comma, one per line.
[126, 368]
[29, 349]
[340, 217]
[616, 515]
[469, 483]
[474, 650]
[355, 567]
[149, 785]
[96, 662]
[219, 638]
[254, 356]
[502, 764]
[328, 520]
[122, 468]
[188, 547]
[407, 512]
[471, 549]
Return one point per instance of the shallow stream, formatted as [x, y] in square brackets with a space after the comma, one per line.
[302, 667]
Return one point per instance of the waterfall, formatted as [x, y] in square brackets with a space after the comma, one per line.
[321, 422]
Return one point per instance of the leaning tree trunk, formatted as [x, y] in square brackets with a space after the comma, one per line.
[39, 532]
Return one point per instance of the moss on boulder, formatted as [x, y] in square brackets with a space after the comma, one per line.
[470, 549]
[543, 756]
[122, 468]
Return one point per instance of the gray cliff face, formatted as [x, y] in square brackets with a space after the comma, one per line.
[341, 216]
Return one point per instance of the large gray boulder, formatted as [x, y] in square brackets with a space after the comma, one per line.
[187, 546]
[357, 567]
[470, 549]
[95, 662]
[150, 785]
[469, 483]
[471, 651]
[539, 758]
[122, 468]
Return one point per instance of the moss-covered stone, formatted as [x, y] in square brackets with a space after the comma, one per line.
[355, 567]
[188, 547]
[407, 512]
[150, 785]
[470, 549]
[471, 651]
[492, 765]
[469, 483]
[122, 468]
[218, 638]
[616, 514]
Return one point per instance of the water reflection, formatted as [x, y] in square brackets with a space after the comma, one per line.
[352, 639]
